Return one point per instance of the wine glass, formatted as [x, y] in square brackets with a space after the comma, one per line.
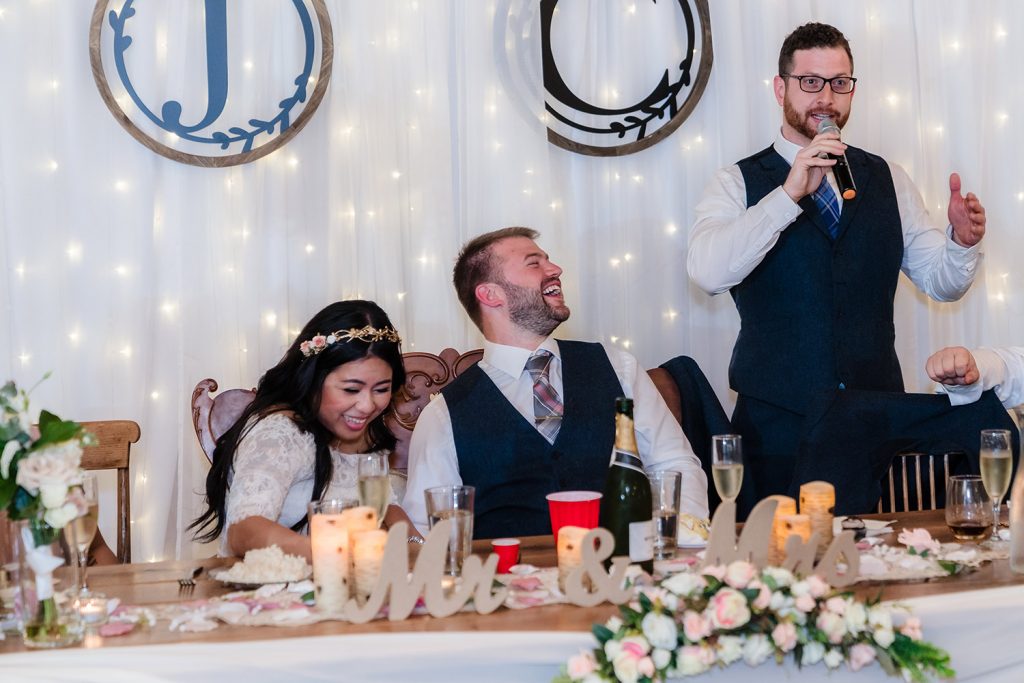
[727, 465]
[374, 485]
[996, 466]
[84, 527]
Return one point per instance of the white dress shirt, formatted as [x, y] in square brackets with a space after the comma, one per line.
[433, 460]
[729, 240]
[1001, 369]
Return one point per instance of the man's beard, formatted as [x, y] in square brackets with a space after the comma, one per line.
[804, 124]
[528, 309]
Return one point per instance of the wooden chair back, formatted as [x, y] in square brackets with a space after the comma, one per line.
[917, 481]
[211, 416]
[113, 452]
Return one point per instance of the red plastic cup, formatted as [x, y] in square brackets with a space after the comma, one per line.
[507, 550]
[573, 508]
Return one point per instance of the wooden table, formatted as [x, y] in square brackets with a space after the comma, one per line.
[154, 583]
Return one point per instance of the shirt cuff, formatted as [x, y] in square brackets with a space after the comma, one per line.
[780, 207]
[965, 253]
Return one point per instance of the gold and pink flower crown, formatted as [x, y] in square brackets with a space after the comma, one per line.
[365, 334]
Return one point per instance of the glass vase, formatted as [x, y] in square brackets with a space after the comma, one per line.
[47, 584]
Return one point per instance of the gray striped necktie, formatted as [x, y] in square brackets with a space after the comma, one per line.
[547, 406]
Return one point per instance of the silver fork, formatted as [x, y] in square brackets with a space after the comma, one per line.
[188, 582]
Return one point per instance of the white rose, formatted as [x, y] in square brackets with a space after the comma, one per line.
[612, 648]
[53, 495]
[60, 516]
[661, 658]
[884, 636]
[757, 649]
[660, 630]
[694, 659]
[856, 617]
[782, 577]
[730, 648]
[880, 617]
[684, 583]
[833, 658]
[613, 624]
[813, 652]
[625, 667]
[581, 665]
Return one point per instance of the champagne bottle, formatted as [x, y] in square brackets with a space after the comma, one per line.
[626, 504]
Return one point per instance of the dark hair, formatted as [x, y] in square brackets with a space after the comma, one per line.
[294, 385]
[808, 37]
[475, 264]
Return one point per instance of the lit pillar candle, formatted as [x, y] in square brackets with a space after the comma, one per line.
[817, 501]
[329, 538]
[367, 558]
[777, 549]
[799, 525]
[570, 551]
[361, 518]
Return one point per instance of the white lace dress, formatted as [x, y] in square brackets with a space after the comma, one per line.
[273, 475]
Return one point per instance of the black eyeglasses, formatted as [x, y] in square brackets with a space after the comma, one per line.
[841, 85]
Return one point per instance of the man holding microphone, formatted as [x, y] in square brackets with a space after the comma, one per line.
[814, 274]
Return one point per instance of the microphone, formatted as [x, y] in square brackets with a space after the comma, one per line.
[841, 170]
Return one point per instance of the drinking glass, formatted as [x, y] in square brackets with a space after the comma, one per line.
[665, 487]
[996, 466]
[374, 485]
[968, 508]
[454, 503]
[727, 464]
[84, 528]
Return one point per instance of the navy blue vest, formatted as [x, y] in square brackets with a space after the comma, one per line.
[817, 314]
[511, 465]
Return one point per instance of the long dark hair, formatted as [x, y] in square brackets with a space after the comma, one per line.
[294, 385]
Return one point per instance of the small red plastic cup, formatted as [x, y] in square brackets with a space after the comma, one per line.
[507, 550]
[573, 508]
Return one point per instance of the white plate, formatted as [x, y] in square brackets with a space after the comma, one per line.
[219, 576]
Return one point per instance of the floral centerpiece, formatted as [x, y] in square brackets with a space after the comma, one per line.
[39, 469]
[692, 622]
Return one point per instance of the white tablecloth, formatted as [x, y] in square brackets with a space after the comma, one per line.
[983, 630]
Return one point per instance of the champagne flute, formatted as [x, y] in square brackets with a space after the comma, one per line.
[374, 485]
[727, 465]
[996, 466]
[85, 527]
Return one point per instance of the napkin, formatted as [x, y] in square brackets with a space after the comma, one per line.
[874, 527]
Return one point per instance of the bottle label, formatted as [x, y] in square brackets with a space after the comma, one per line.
[641, 541]
[628, 460]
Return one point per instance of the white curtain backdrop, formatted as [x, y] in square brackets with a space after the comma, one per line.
[132, 277]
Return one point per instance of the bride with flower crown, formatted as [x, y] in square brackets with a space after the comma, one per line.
[314, 412]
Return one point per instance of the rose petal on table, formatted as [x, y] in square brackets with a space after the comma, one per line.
[115, 628]
[300, 587]
[269, 589]
[525, 583]
[194, 622]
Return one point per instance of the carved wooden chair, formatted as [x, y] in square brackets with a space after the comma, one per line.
[113, 452]
[211, 416]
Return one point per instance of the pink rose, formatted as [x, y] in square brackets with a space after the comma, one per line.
[833, 625]
[861, 655]
[739, 574]
[581, 665]
[837, 605]
[305, 348]
[319, 342]
[912, 628]
[918, 540]
[818, 586]
[645, 667]
[717, 571]
[764, 596]
[728, 609]
[784, 636]
[695, 626]
[805, 603]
